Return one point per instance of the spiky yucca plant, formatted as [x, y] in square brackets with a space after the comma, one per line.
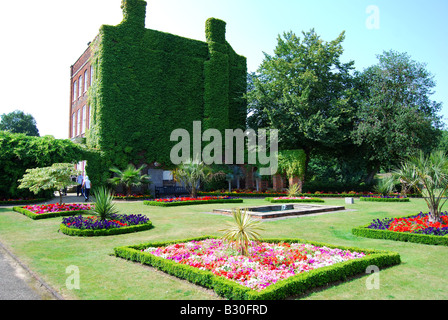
[242, 230]
[104, 206]
[293, 190]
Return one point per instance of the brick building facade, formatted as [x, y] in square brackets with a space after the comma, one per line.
[80, 81]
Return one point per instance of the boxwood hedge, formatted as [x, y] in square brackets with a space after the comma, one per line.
[364, 231]
[104, 232]
[292, 286]
[37, 216]
[189, 202]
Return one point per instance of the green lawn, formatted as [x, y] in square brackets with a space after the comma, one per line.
[421, 275]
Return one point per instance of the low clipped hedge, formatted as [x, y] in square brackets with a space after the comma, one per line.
[384, 199]
[364, 231]
[104, 232]
[294, 285]
[37, 216]
[189, 202]
[13, 202]
[272, 200]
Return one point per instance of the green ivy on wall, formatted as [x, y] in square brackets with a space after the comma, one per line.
[148, 83]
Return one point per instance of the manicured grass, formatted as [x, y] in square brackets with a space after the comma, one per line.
[421, 275]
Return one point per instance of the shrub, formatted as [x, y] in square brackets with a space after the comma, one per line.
[291, 286]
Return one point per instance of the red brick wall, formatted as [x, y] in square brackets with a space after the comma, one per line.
[81, 68]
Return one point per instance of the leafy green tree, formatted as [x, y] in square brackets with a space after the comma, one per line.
[396, 117]
[57, 177]
[192, 172]
[19, 122]
[306, 92]
[129, 177]
[429, 175]
[20, 152]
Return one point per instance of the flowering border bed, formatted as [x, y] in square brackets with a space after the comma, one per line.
[36, 216]
[260, 194]
[113, 226]
[379, 198]
[379, 229]
[185, 201]
[132, 197]
[293, 285]
[292, 199]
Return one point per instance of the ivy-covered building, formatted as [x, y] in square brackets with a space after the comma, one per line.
[147, 83]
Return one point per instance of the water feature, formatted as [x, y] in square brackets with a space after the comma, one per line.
[283, 210]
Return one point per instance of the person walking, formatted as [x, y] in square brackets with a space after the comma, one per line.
[79, 180]
[86, 185]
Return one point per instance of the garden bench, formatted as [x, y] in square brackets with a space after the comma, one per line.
[170, 191]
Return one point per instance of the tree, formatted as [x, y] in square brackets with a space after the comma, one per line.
[396, 117]
[305, 92]
[56, 177]
[191, 173]
[131, 176]
[429, 175]
[19, 122]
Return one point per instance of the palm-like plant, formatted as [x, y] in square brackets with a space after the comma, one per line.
[104, 206]
[385, 186]
[129, 177]
[242, 230]
[293, 190]
[190, 173]
[429, 175]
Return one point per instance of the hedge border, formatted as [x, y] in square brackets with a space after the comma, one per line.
[364, 231]
[38, 216]
[189, 202]
[273, 194]
[13, 202]
[271, 200]
[104, 232]
[384, 199]
[294, 285]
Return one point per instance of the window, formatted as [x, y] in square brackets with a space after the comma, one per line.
[75, 88]
[73, 125]
[80, 86]
[79, 121]
[83, 125]
[167, 175]
[85, 81]
[91, 75]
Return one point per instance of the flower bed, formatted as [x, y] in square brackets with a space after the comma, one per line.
[293, 199]
[116, 224]
[260, 194]
[20, 201]
[415, 228]
[382, 198]
[53, 210]
[120, 196]
[274, 268]
[183, 201]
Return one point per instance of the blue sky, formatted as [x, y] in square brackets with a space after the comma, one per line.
[46, 38]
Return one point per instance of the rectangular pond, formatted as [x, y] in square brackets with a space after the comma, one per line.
[283, 210]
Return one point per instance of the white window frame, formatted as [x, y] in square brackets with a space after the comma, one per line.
[80, 86]
[75, 90]
[83, 123]
[85, 81]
